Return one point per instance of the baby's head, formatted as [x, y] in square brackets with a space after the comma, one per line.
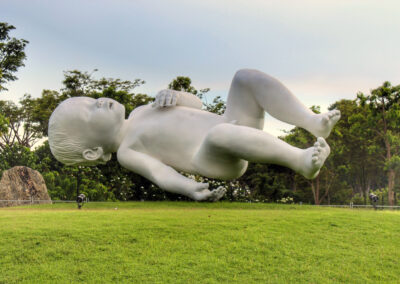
[83, 130]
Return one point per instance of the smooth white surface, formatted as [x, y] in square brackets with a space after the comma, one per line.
[173, 134]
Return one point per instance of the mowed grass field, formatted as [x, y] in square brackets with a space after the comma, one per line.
[183, 242]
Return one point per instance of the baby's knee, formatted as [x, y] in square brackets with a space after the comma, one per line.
[244, 76]
[247, 78]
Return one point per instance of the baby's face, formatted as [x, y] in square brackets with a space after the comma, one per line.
[100, 119]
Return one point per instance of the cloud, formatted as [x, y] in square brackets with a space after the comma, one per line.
[322, 50]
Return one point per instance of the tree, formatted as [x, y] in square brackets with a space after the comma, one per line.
[16, 155]
[78, 83]
[3, 124]
[356, 149]
[41, 109]
[12, 54]
[327, 179]
[184, 84]
[268, 183]
[21, 127]
[384, 121]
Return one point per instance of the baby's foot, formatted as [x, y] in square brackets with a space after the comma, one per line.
[217, 194]
[205, 194]
[200, 192]
[314, 158]
[323, 123]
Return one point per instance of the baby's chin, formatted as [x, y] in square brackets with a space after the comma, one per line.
[120, 110]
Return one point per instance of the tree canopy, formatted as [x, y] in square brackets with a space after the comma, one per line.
[12, 54]
[364, 149]
[365, 144]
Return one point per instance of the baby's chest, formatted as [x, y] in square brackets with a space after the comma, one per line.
[174, 131]
[161, 139]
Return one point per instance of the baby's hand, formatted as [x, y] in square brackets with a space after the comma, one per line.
[166, 98]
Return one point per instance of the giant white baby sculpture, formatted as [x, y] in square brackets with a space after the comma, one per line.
[173, 134]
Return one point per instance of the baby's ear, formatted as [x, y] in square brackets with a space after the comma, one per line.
[93, 154]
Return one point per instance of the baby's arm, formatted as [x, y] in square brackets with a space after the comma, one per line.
[168, 98]
[162, 175]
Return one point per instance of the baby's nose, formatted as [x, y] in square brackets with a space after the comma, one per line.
[100, 103]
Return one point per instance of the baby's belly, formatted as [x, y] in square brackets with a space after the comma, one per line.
[181, 153]
[174, 137]
[176, 150]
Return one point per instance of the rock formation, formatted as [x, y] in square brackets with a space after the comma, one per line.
[22, 185]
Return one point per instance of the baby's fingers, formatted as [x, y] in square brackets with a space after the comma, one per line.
[174, 99]
[162, 100]
[168, 98]
[165, 98]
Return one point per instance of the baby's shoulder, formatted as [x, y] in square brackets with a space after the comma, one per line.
[138, 110]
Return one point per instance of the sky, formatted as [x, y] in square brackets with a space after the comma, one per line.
[322, 50]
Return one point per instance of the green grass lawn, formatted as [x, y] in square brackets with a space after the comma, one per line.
[166, 242]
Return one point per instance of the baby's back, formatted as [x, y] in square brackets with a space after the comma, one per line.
[171, 134]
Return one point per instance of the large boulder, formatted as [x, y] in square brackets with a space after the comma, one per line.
[22, 185]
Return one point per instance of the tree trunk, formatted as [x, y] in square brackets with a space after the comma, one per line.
[315, 190]
[391, 178]
[391, 173]
[294, 184]
[366, 191]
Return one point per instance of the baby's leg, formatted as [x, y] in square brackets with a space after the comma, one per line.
[253, 92]
[226, 141]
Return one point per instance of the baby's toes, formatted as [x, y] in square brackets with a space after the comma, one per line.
[321, 141]
[222, 191]
[335, 115]
[217, 194]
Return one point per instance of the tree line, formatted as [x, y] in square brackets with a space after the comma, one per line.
[364, 157]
